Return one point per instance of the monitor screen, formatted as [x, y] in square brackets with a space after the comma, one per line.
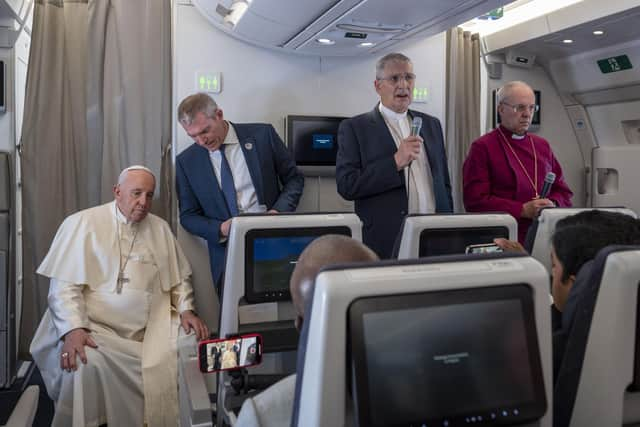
[454, 241]
[313, 140]
[270, 256]
[446, 358]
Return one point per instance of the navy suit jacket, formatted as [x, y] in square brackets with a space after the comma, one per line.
[277, 182]
[366, 172]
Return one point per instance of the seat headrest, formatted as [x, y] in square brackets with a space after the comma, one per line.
[576, 323]
[530, 238]
[296, 419]
[395, 251]
[302, 353]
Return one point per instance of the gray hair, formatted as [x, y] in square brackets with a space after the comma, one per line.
[194, 104]
[505, 91]
[390, 57]
[125, 171]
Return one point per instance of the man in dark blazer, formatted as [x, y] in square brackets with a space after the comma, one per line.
[387, 171]
[260, 172]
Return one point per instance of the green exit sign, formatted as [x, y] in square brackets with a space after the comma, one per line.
[420, 94]
[616, 63]
[208, 81]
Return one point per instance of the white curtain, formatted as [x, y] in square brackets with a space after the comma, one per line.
[463, 103]
[98, 99]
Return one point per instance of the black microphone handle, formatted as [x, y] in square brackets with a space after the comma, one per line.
[546, 189]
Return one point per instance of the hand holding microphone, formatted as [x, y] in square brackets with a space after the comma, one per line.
[416, 125]
[549, 179]
[409, 148]
[532, 208]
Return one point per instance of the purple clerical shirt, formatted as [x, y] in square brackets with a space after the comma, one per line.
[495, 181]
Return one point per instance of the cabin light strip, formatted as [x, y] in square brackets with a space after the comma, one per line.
[517, 15]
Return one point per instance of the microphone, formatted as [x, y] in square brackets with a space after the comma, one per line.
[416, 124]
[549, 179]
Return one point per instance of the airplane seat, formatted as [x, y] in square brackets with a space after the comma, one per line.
[531, 235]
[320, 193]
[261, 255]
[362, 343]
[204, 292]
[538, 239]
[424, 235]
[8, 309]
[598, 372]
[25, 411]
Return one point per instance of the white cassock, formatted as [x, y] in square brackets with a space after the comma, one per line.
[131, 378]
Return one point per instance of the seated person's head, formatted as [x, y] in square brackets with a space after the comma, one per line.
[322, 252]
[604, 220]
[578, 238]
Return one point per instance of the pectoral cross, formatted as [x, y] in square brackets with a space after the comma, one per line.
[121, 281]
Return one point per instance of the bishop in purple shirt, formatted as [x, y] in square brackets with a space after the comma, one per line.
[505, 168]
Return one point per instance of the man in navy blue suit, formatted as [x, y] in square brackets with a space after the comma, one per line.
[230, 169]
[386, 170]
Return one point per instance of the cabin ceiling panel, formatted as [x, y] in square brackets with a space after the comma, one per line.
[276, 22]
[386, 23]
[296, 25]
[7, 15]
[618, 29]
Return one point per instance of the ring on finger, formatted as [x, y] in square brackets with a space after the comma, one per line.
[65, 355]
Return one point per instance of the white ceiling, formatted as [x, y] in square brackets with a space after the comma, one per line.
[618, 28]
[295, 25]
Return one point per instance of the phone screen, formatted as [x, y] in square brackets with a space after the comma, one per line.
[485, 248]
[233, 353]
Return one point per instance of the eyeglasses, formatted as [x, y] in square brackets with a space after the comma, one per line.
[395, 79]
[521, 108]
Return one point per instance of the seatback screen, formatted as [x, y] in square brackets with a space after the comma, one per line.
[447, 358]
[454, 241]
[271, 255]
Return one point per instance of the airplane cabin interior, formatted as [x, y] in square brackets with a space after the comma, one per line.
[469, 321]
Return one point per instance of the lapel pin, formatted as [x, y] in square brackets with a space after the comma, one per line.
[248, 146]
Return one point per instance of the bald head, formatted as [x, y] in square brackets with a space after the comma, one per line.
[516, 106]
[322, 252]
[509, 88]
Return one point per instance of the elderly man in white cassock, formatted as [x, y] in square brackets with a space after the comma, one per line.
[120, 287]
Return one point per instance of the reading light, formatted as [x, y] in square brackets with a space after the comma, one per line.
[598, 32]
[232, 15]
[567, 41]
[325, 41]
[366, 44]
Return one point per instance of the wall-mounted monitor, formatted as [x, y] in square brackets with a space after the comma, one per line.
[535, 121]
[313, 140]
[271, 255]
[446, 358]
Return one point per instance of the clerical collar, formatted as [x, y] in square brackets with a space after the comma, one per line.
[120, 216]
[390, 114]
[514, 135]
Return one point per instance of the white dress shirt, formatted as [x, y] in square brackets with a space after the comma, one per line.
[418, 174]
[245, 191]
